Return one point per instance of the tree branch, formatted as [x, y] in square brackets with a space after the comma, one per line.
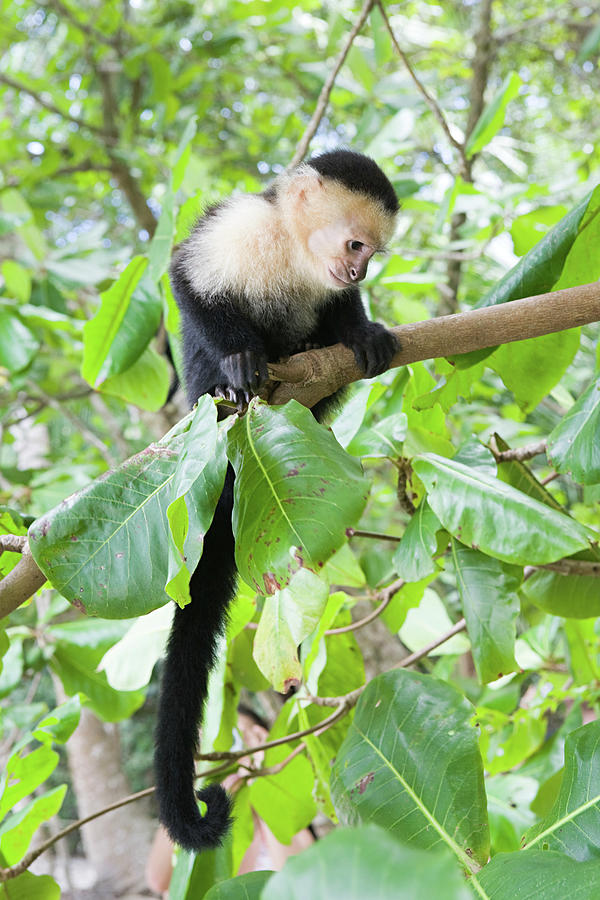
[310, 376]
[328, 87]
[39, 99]
[429, 99]
[518, 454]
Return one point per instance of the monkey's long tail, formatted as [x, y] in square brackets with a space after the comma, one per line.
[190, 657]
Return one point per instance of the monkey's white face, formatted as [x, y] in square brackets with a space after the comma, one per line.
[342, 251]
[338, 230]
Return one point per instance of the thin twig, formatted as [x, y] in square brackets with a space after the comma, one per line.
[39, 99]
[341, 711]
[352, 698]
[386, 596]
[328, 87]
[429, 99]
[517, 454]
[375, 535]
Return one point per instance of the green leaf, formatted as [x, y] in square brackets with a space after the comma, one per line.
[413, 560]
[197, 485]
[582, 264]
[18, 829]
[574, 445]
[23, 774]
[100, 332]
[487, 589]
[289, 616]
[509, 808]
[571, 596]
[538, 271]
[363, 864]
[411, 763]
[30, 887]
[427, 622]
[17, 281]
[531, 368]
[284, 801]
[582, 643]
[106, 547]
[526, 230]
[77, 671]
[573, 826]
[59, 725]
[122, 328]
[244, 887]
[492, 516]
[537, 875]
[382, 439]
[128, 663]
[296, 493]
[492, 118]
[18, 345]
[145, 383]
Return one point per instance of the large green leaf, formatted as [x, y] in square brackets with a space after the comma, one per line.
[285, 800]
[411, 763]
[530, 369]
[539, 269]
[363, 864]
[23, 774]
[288, 616]
[487, 589]
[106, 547]
[18, 829]
[77, 671]
[413, 560]
[574, 445]
[571, 596]
[30, 887]
[573, 825]
[102, 330]
[490, 515]
[296, 493]
[18, 345]
[197, 486]
[538, 875]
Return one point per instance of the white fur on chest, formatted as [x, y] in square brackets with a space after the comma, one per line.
[243, 250]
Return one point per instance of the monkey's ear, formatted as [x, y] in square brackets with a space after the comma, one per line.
[306, 185]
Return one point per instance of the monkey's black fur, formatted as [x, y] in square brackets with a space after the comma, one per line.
[226, 346]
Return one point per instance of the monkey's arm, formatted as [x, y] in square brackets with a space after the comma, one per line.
[223, 351]
[345, 320]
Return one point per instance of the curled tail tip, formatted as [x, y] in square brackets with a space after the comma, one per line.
[205, 832]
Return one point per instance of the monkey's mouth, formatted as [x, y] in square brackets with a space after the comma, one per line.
[337, 279]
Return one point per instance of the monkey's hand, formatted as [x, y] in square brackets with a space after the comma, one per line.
[244, 375]
[374, 349]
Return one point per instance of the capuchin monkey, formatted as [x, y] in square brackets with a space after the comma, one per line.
[260, 277]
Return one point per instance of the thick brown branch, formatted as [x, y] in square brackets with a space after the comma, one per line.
[14, 543]
[310, 376]
[20, 583]
[328, 87]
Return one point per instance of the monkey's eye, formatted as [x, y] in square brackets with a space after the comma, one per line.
[356, 245]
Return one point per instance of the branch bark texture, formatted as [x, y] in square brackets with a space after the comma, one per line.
[310, 376]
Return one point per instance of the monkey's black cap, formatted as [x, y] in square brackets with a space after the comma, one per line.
[358, 173]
